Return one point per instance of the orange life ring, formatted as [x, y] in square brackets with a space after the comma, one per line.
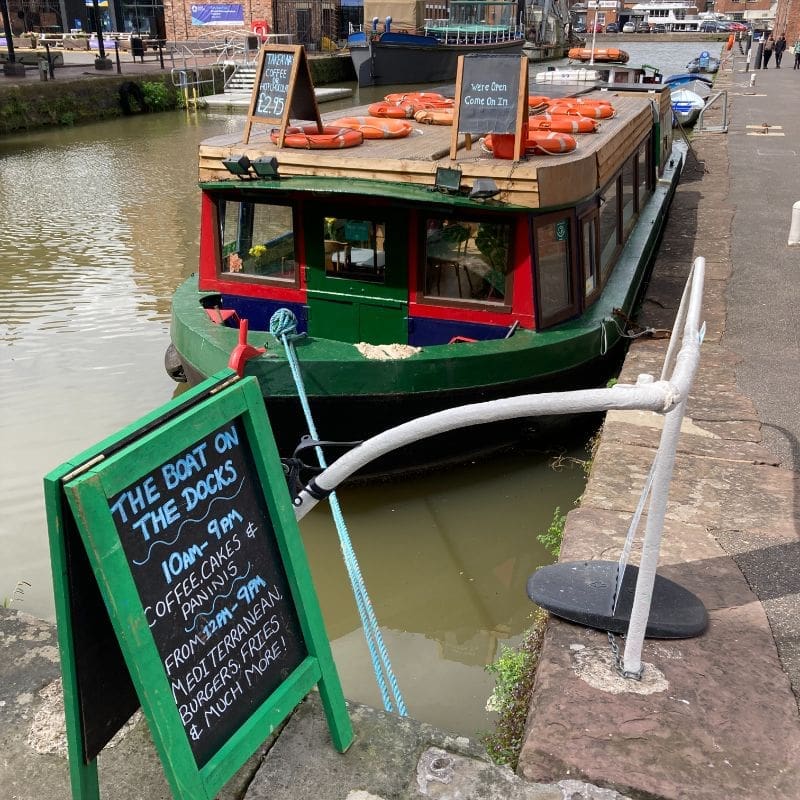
[375, 127]
[535, 100]
[433, 116]
[601, 111]
[550, 143]
[562, 123]
[421, 100]
[391, 110]
[310, 137]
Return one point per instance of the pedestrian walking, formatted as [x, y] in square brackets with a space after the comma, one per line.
[769, 46]
[796, 51]
[780, 46]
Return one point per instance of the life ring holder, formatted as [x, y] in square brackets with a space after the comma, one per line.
[130, 90]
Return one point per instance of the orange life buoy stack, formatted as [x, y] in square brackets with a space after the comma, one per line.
[405, 106]
[375, 127]
[309, 137]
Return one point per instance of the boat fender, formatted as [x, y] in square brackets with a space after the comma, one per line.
[131, 91]
[731, 40]
[173, 365]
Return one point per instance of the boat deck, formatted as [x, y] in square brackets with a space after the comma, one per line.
[536, 181]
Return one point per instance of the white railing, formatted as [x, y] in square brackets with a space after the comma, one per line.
[667, 395]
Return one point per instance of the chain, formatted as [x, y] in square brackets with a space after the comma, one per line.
[635, 675]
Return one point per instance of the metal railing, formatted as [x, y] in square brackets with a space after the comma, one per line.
[701, 127]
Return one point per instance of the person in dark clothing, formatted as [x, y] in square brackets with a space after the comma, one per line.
[796, 51]
[780, 46]
[769, 46]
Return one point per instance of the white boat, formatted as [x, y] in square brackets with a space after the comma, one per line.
[599, 73]
[686, 107]
[689, 94]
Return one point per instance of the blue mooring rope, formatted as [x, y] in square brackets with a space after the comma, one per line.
[283, 325]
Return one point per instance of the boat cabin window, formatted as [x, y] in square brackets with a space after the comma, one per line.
[555, 284]
[643, 172]
[354, 249]
[466, 260]
[257, 239]
[609, 227]
[590, 252]
[628, 182]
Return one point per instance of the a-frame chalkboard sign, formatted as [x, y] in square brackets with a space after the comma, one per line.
[282, 90]
[181, 584]
[491, 97]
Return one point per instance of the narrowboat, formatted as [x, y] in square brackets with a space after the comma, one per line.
[418, 281]
[411, 49]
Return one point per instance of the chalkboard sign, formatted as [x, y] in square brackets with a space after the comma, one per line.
[191, 538]
[201, 549]
[282, 89]
[491, 96]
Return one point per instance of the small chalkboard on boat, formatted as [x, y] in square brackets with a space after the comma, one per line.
[192, 541]
[282, 89]
[491, 97]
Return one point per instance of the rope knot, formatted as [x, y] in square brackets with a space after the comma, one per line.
[283, 322]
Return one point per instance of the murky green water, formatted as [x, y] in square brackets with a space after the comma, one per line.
[97, 227]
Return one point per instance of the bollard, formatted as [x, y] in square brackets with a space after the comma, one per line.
[794, 229]
[752, 79]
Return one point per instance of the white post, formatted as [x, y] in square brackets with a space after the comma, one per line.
[794, 230]
[686, 365]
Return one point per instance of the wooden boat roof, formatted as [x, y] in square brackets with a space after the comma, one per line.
[535, 182]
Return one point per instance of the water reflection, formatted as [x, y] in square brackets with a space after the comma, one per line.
[98, 225]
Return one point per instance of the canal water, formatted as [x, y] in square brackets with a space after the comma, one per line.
[98, 225]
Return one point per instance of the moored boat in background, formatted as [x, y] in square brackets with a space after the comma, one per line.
[417, 281]
[412, 50]
[705, 63]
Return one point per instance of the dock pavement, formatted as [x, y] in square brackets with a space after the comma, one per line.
[715, 717]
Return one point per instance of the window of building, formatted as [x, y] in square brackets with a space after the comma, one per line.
[467, 260]
[257, 239]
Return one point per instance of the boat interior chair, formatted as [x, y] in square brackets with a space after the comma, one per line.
[447, 249]
[335, 255]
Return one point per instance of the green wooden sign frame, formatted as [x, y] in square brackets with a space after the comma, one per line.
[82, 529]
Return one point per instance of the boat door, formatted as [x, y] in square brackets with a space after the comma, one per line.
[357, 279]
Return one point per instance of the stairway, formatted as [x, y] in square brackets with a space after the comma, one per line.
[241, 82]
